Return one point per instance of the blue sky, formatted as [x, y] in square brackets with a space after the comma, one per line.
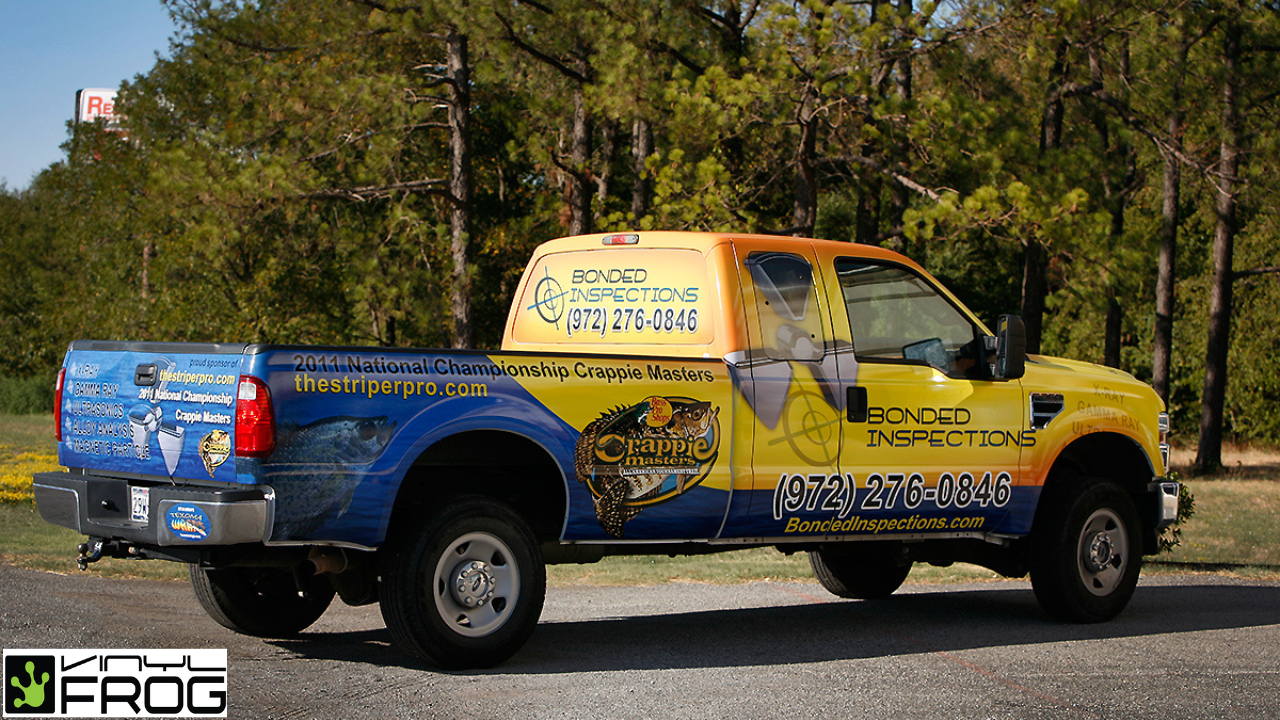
[51, 48]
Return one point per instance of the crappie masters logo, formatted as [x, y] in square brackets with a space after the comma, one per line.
[115, 683]
[648, 453]
[214, 449]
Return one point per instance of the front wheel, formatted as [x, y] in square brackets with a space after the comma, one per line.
[464, 589]
[868, 573]
[1086, 552]
[264, 602]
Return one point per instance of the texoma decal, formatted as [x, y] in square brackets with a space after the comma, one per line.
[649, 453]
[188, 522]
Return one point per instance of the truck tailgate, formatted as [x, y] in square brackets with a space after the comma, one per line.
[151, 409]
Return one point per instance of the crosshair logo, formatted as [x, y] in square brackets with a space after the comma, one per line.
[547, 296]
[811, 428]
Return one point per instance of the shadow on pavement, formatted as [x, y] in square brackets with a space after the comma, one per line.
[837, 630]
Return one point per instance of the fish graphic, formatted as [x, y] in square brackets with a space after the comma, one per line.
[618, 491]
[316, 467]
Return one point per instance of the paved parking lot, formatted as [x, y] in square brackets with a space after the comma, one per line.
[1187, 647]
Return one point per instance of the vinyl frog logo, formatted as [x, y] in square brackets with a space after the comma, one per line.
[29, 684]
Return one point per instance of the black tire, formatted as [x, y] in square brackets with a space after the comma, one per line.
[464, 589]
[263, 602]
[868, 573]
[1086, 551]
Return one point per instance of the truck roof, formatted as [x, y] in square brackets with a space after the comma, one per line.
[705, 241]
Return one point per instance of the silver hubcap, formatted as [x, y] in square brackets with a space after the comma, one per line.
[472, 583]
[1104, 552]
[476, 584]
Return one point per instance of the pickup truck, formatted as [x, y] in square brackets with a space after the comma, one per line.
[656, 393]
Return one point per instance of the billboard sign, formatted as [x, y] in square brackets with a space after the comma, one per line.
[94, 103]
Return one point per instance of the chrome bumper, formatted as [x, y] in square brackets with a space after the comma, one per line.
[176, 514]
[1166, 494]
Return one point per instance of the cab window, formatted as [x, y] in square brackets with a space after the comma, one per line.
[896, 316]
[787, 306]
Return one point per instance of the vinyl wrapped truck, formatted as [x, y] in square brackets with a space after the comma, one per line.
[656, 393]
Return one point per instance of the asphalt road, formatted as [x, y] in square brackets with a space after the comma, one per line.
[1187, 647]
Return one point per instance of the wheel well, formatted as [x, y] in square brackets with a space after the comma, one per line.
[493, 463]
[1107, 455]
[1115, 458]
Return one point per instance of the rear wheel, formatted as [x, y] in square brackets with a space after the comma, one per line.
[865, 573]
[1086, 551]
[264, 602]
[464, 589]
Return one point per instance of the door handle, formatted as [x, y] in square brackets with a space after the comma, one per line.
[856, 404]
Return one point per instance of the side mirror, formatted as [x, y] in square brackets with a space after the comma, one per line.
[1011, 347]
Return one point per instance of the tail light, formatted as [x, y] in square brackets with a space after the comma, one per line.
[57, 404]
[255, 421]
[631, 239]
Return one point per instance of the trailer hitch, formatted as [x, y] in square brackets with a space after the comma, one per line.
[90, 552]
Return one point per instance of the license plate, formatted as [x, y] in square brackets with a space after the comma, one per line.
[140, 503]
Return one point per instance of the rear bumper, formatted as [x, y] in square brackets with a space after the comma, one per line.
[175, 514]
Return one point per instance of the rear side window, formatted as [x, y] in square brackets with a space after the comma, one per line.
[787, 306]
[633, 296]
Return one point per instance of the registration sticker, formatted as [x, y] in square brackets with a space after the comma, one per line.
[139, 503]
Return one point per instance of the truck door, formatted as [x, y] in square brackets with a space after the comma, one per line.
[790, 381]
[931, 443]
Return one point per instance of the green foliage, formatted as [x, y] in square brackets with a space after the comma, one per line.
[284, 173]
[25, 396]
[1171, 537]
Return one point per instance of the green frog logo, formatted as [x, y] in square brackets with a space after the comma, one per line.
[35, 695]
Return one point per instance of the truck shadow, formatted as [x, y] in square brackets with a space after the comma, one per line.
[922, 622]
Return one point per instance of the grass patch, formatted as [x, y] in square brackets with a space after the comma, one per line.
[27, 541]
[28, 433]
[1235, 531]
[728, 568]
[1236, 522]
[27, 446]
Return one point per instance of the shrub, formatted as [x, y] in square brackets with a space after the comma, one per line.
[1172, 535]
[25, 396]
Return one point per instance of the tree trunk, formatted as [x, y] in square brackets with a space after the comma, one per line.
[867, 219]
[899, 196]
[732, 34]
[1117, 194]
[641, 149]
[1034, 291]
[1035, 286]
[580, 220]
[459, 71]
[148, 252]
[1166, 278]
[1111, 346]
[805, 208]
[603, 178]
[1209, 453]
